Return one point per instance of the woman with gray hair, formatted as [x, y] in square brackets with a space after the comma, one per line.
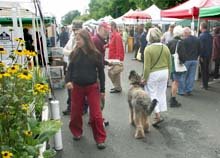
[157, 63]
[176, 76]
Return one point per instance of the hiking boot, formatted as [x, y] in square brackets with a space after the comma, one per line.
[174, 102]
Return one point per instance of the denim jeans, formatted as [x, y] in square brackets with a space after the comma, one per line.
[187, 80]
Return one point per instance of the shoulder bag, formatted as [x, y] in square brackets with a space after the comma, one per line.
[157, 58]
[177, 66]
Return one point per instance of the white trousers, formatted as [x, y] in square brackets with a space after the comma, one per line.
[156, 88]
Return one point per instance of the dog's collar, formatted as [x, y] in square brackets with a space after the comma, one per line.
[135, 83]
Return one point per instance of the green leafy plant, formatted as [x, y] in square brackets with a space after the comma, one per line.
[23, 92]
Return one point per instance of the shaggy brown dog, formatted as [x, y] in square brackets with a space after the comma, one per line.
[140, 106]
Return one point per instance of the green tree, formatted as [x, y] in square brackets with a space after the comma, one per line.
[99, 8]
[165, 4]
[83, 17]
[142, 4]
[116, 8]
[69, 17]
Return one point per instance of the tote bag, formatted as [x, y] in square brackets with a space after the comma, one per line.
[177, 66]
[138, 57]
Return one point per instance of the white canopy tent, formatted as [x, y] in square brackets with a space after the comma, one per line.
[107, 19]
[156, 18]
[90, 22]
[128, 21]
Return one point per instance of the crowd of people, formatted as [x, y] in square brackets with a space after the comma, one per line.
[85, 78]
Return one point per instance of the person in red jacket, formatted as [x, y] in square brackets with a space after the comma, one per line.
[116, 58]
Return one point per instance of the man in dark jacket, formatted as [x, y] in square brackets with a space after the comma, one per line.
[64, 37]
[143, 42]
[205, 39]
[191, 44]
[216, 51]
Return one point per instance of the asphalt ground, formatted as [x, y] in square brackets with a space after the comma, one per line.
[191, 131]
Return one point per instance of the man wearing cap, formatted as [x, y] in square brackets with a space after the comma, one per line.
[116, 58]
[99, 40]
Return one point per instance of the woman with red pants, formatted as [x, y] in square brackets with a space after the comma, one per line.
[85, 67]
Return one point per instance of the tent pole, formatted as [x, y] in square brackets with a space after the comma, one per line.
[20, 28]
[193, 25]
[35, 38]
[198, 24]
[198, 65]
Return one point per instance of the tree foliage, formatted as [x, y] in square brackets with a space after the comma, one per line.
[116, 8]
[69, 17]
[167, 3]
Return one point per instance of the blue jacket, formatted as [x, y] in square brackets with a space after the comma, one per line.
[143, 41]
[205, 39]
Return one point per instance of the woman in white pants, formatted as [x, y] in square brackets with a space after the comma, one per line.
[157, 64]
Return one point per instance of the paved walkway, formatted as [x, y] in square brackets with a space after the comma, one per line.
[191, 131]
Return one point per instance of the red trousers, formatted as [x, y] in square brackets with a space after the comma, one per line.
[96, 121]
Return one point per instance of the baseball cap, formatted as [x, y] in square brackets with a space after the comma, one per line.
[76, 25]
[105, 25]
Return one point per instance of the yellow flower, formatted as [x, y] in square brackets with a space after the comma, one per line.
[2, 64]
[6, 154]
[4, 74]
[14, 69]
[41, 88]
[25, 107]
[2, 50]
[30, 53]
[28, 133]
[18, 65]
[25, 75]
[19, 52]
[20, 40]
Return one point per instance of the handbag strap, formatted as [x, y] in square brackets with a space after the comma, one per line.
[157, 58]
[177, 44]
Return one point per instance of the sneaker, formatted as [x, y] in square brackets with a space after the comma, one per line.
[115, 91]
[106, 123]
[101, 146]
[66, 112]
[76, 138]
